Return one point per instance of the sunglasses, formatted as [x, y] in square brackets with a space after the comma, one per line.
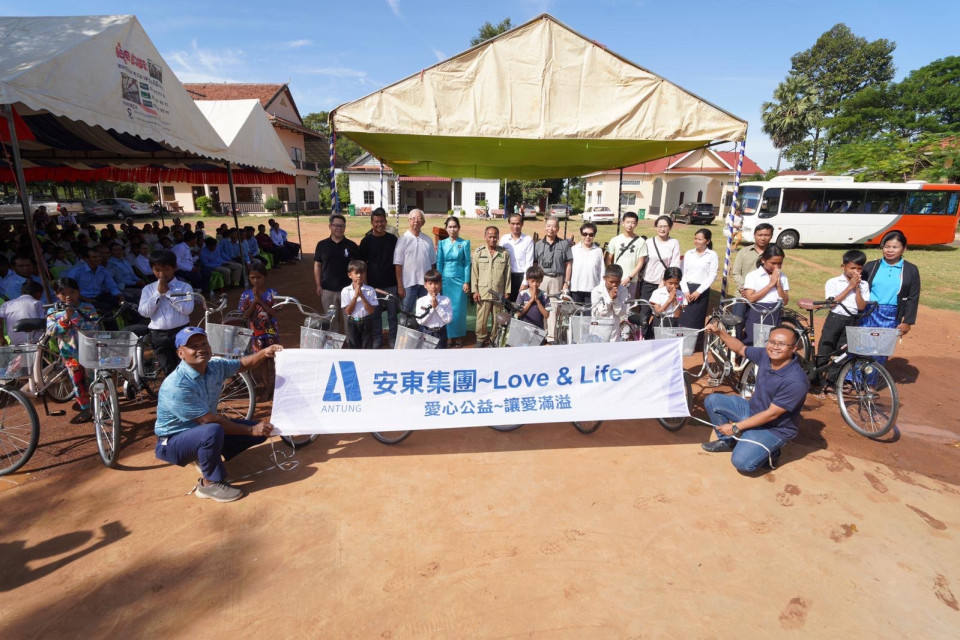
[588, 235]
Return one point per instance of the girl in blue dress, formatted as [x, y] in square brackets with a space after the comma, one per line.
[453, 263]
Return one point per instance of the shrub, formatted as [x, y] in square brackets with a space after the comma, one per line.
[206, 206]
[273, 205]
[146, 197]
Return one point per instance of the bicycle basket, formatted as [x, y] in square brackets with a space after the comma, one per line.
[228, 341]
[16, 361]
[106, 349]
[761, 333]
[688, 335]
[408, 338]
[872, 341]
[585, 329]
[318, 339]
[524, 334]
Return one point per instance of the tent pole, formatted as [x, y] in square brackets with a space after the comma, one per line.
[334, 197]
[236, 222]
[731, 217]
[619, 200]
[21, 185]
[299, 238]
[567, 217]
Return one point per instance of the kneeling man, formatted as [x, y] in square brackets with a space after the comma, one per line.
[756, 429]
[188, 427]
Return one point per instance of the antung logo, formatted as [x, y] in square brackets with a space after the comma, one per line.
[345, 384]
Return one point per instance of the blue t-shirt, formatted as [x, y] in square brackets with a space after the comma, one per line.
[186, 395]
[785, 387]
[533, 316]
[886, 283]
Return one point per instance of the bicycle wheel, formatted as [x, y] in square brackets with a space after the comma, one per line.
[627, 332]
[675, 424]
[53, 377]
[748, 381]
[299, 441]
[505, 427]
[238, 400]
[560, 332]
[19, 430]
[868, 397]
[794, 321]
[106, 419]
[714, 356]
[391, 437]
[150, 380]
[588, 427]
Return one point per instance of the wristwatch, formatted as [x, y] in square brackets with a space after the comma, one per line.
[736, 430]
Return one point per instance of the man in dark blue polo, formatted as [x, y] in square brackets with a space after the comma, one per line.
[756, 429]
[188, 427]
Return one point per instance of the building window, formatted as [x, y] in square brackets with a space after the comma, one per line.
[681, 198]
[283, 194]
[368, 197]
[457, 194]
[589, 197]
[249, 194]
[301, 195]
[600, 183]
[628, 199]
[479, 198]
[699, 196]
[169, 193]
[297, 154]
[599, 197]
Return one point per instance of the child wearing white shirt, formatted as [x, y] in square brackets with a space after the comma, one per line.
[434, 311]
[765, 287]
[24, 307]
[610, 299]
[358, 300]
[668, 300]
[851, 295]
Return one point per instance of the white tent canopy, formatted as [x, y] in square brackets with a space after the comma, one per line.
[105, 73]
[251, 138]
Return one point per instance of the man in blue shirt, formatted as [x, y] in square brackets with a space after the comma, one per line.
[123, 273]
[756, 429]
[188, 427]
[24, 268]
[97, 286]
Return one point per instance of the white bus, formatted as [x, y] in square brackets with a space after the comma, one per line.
[836, 210]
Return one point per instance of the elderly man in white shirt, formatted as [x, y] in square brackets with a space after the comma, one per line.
[413, 256]
[520, 247]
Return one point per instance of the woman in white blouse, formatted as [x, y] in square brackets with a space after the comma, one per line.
[700, 266]
[662, 252]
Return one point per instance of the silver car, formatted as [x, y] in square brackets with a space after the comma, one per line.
[126, 207]
[560, 211]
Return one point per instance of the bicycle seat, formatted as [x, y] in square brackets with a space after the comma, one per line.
[806, 303]
[29, 325]
[139, 330]
[730, 320]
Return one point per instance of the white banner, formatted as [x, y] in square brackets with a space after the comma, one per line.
[353, 391]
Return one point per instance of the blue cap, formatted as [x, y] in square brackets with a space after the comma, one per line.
[184, 334]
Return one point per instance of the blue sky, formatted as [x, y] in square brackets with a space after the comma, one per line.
[731, 53]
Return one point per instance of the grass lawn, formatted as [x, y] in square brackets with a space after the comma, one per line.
[938, 264]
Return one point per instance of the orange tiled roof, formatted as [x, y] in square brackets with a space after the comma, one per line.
[265, 93]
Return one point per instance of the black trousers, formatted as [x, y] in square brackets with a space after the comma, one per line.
[516, 281]
[164, 348]
[646, 290]
[833, 335]
[360, 333]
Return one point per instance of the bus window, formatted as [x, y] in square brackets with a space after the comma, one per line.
[932, 202]
[749, 200]
[802, 200]
[843, 200]
[883, 201]
[770, 203]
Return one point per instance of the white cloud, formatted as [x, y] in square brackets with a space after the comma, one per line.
[395, 6]
[204, 65]
[441, 56]
[295, 44]
[335, 72]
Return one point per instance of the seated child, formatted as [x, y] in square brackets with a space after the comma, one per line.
[434, 311]
[668, 300]
[25, 307]
[851, 295]
[64, 324]
[357, 301]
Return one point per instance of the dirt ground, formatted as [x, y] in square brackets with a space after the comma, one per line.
[631, 532]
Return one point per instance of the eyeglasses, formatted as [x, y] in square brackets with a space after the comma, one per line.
[338, 226]
[588, 235]
[780, 345]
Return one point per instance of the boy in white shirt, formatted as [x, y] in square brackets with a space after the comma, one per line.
[25, 307]
[610, 298]
[358, 301]
[851, 295]
[168, 303]
[434, 311]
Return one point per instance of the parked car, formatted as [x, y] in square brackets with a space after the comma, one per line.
[560, 211]
[125, 207]
[71, 205]
[694, 212]
[90, 209]
[10, 206]
[599, 213]
[529, 212]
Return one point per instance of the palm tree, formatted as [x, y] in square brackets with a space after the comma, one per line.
[793, 113]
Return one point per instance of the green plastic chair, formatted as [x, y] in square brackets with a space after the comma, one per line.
[216, 281]
[267, 259]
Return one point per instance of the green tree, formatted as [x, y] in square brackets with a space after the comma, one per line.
[489, 30]
[839, 65]
[343, 188]
[793, 113]
[346, 150]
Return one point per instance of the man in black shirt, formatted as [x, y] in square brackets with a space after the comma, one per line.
[376, 249]
[331, 258]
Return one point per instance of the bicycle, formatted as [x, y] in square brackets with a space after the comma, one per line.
[718, 361]
[867, 396]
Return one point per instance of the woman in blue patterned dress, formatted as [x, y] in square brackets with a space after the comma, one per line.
[453, 262]
[894, 286]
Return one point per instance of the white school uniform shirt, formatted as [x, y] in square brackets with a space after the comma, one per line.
[22, 307]
[603, 306]
[436, 318]
[520, 250]
[669, 251]
[416, 255]
[166, 310]
[700, 268]
[848, 306]
[758, 279]
[660, 297]
[359, 311]
[142, 264]
[587, 270]
[185, 259]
